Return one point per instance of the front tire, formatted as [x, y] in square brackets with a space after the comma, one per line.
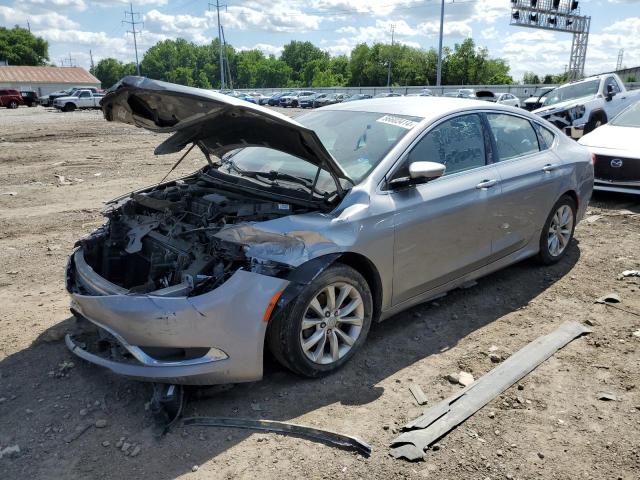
[13, 104]
[594, 122]
[557, 231]
[325, 326]
[69, 107]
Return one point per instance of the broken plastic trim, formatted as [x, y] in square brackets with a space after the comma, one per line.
[324, 436]
[451, 412]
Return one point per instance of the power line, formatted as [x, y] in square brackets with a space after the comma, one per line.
[221, 61]
[133, 22]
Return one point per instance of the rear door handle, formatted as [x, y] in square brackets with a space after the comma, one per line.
[549, 167]
[487, 183]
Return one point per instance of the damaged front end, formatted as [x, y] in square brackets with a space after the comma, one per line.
[173, 288]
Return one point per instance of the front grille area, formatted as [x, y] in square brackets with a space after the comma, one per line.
[628, 172]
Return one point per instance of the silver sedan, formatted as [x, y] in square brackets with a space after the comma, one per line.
[298, 235]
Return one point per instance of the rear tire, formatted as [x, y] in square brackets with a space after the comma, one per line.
[13, 104]
[69, 107]
[557, 232]
[313, 340]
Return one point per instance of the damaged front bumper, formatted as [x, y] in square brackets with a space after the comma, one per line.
[222, 331]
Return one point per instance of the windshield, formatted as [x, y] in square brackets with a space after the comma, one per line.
[629, 117]
[572, 91]
[357, 140]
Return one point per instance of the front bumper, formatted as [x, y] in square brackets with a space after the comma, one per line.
[226, 322]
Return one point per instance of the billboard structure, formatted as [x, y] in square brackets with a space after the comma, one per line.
[558, 16]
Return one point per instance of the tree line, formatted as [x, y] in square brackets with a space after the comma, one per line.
[302, 64]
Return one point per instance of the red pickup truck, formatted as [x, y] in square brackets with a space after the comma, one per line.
[10, 98]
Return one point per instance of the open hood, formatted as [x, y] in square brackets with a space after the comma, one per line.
[218, 123]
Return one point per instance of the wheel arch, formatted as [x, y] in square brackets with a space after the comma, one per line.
[573, 195]
[368, 270]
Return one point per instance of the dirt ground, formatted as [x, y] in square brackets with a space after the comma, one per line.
[553, 426]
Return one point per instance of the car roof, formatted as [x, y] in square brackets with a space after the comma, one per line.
[425, 107]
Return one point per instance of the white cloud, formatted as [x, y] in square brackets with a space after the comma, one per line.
[197, 29]
[79, 5]
[276, 17]
[13, 16]
[137, 3]
[265, 48]
[451, 28]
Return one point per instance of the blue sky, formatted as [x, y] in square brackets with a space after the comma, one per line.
[77, 26]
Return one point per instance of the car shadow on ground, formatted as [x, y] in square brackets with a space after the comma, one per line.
[44, 394]
[611, 201]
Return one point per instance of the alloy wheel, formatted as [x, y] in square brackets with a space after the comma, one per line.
[560, 230]
[332, 323]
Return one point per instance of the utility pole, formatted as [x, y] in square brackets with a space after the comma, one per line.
[439, 73]
[221, 59]
[393, 27]
[133, 22]
[226, 60]
[28, 26]
[91, 56]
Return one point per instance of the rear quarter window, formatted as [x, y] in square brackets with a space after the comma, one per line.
[547, 137]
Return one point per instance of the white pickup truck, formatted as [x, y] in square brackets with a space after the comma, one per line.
[579, 107]
[79, 99]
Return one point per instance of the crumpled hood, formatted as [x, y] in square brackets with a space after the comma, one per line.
[217, 122]
[562, 106]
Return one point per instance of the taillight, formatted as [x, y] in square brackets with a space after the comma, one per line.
[593, 159]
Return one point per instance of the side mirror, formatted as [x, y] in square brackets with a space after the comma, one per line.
[610, 92]
[419, 172]
[426, 170]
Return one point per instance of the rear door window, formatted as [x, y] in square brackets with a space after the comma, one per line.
[514, 136]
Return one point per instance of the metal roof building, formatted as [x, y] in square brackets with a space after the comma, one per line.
[45, 80]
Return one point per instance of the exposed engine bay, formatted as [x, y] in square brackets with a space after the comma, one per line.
[163, 239]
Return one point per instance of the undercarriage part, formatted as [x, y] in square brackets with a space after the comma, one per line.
[324, 436]
[167, 404]
[438, 420]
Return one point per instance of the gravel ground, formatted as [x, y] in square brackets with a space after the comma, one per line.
[70, 419]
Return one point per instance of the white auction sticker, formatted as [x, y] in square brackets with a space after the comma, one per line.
[397, 121]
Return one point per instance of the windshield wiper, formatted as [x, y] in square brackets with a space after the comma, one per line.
[272, 176]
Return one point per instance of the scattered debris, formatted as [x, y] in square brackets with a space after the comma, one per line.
[106, 443]
[495, 358]
[311, 433]
[636, 333]
[101, 423]
[607, 396]
[609, 298]
[630, 273]
[136, 451]
[62, 180]
[195, 468]
[441, 418]
[418, 394]
[465, 379]
[11, 194]
[11, 451]
[592, 218]
[80, 429]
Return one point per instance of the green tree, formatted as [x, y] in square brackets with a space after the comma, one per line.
[20, 47]
[298, 54]
[530, 78]
[110, 70]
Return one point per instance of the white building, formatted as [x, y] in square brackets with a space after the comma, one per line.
[44, 80]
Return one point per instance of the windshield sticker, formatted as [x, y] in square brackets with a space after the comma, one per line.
[397, 121]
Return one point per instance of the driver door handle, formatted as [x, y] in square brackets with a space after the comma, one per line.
[487, 183]
[549, 167]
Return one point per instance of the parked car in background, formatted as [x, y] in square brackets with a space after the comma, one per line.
[425, 92]
[311, 231]
[306, 98]
[536, 101]
[308, 101]
[329, 99]
[508, 99]
[580, 107]
[486, 95]
[48, 100]
[29, 97]
[274, 100]
[387, 94]
[259, 98]
[80, 99]
[358, 96]
[617, 152]
[293, 99]
[10, 98]
[461, 93]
